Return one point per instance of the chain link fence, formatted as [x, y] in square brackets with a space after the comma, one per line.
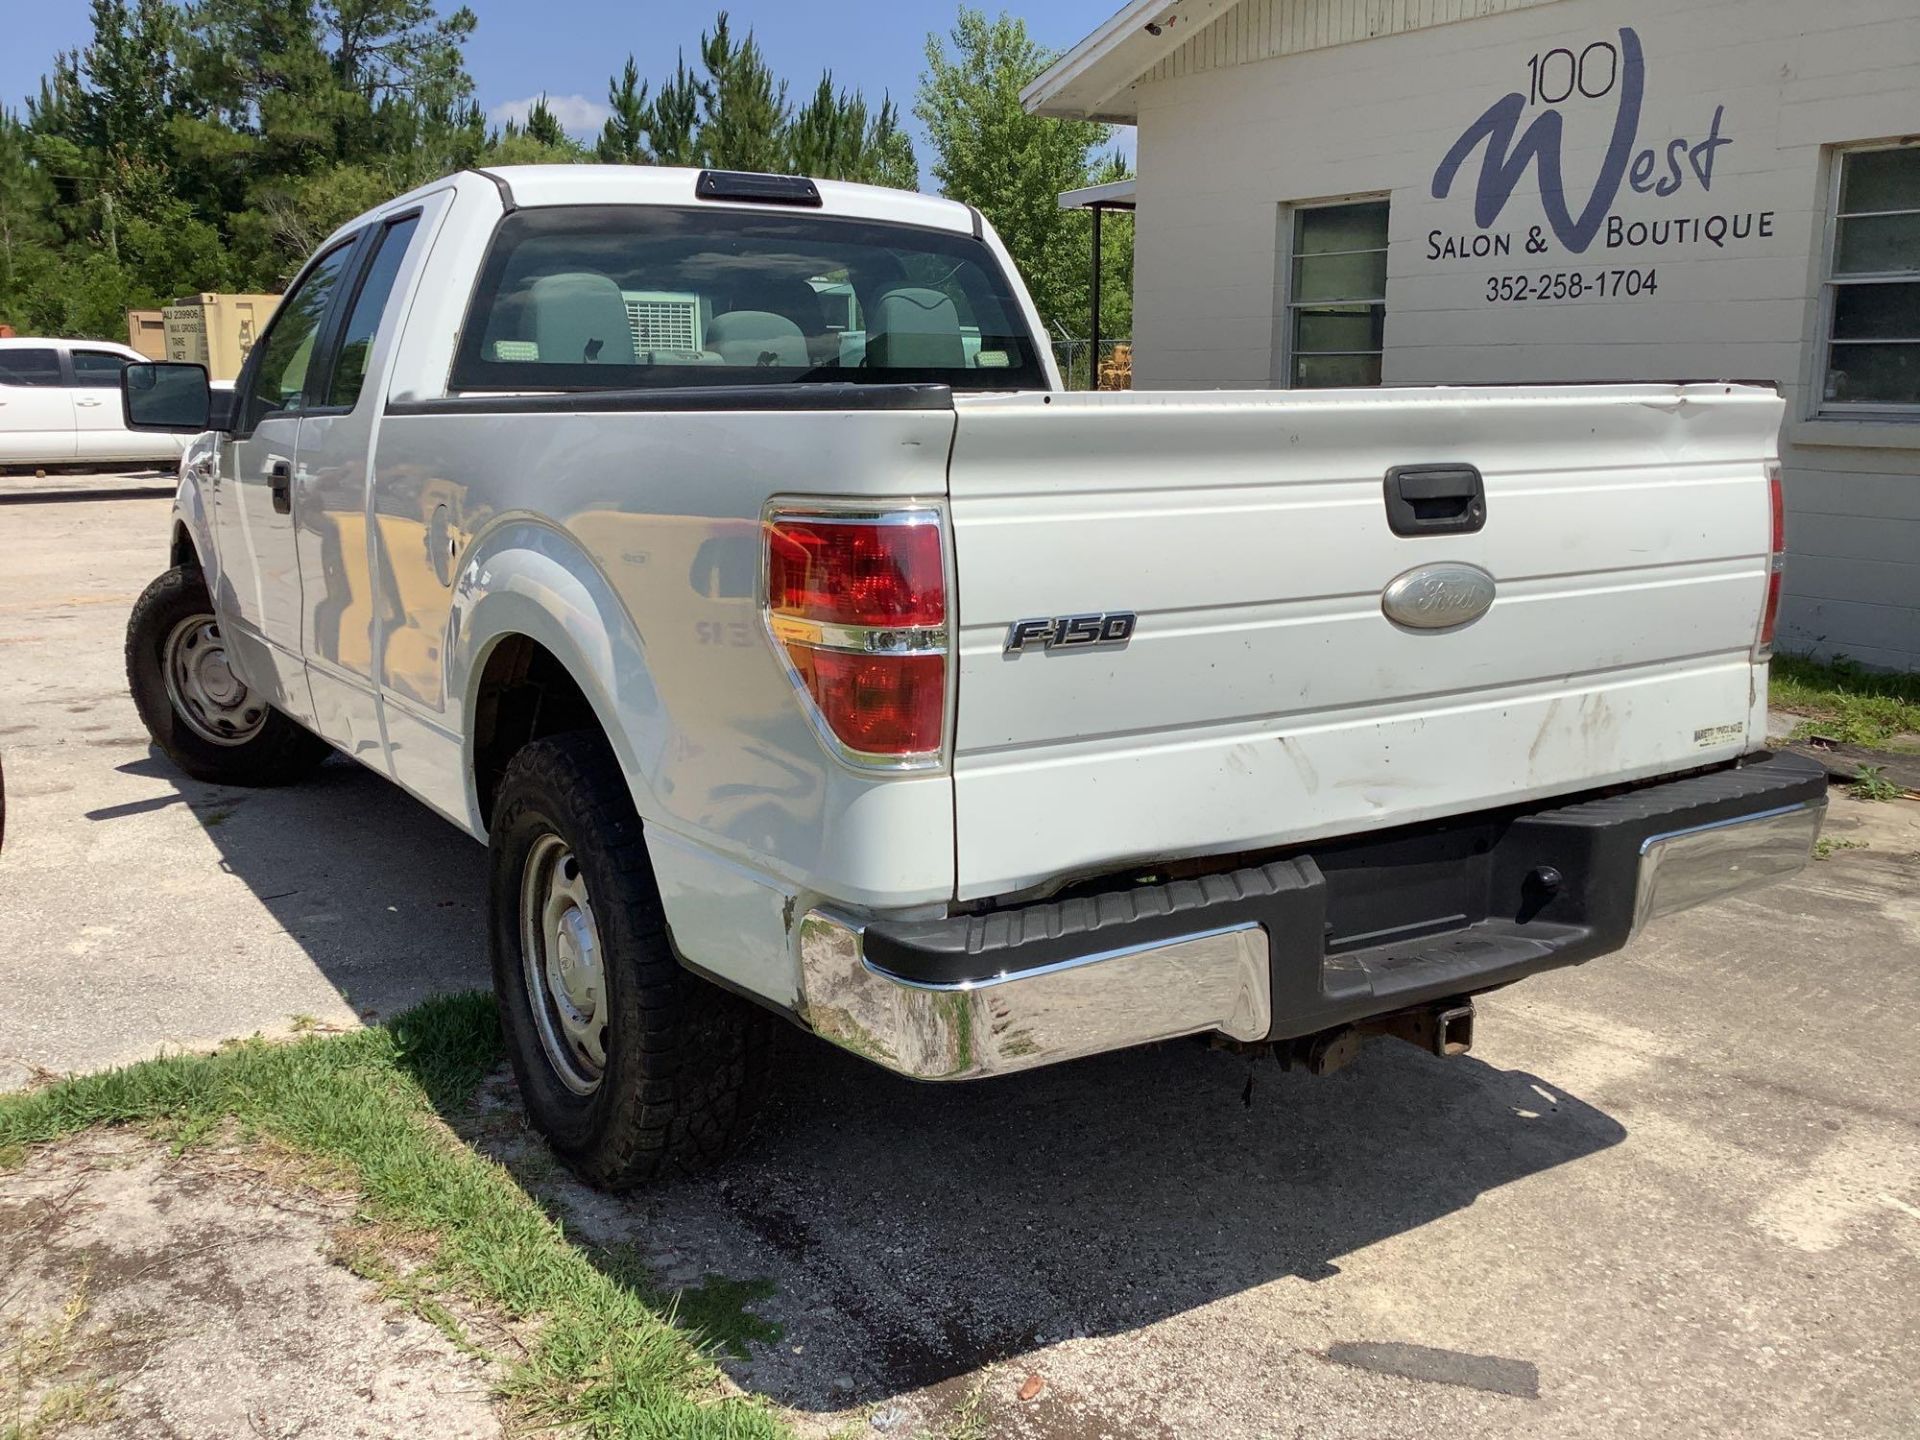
[1075, 359]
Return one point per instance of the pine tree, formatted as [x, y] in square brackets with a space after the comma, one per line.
[623, 139]
[743, 109]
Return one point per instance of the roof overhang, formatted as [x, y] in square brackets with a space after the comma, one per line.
[1094, 80]
[1116, 195]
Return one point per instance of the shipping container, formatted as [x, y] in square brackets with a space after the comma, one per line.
[216, 331]
[147, 333]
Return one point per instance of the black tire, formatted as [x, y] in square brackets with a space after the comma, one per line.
[277, 752]
[686, 1064]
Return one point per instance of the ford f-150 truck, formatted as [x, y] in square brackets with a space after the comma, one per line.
[723, 551]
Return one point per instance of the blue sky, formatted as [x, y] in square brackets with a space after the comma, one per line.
[567, 48]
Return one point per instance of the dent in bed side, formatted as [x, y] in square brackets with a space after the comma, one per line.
[525, 581]
[524, 578]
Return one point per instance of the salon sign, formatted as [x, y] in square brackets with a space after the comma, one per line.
[1599, 238]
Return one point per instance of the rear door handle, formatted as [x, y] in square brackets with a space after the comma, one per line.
[88, 404]
[1435, 500]
[280, 481]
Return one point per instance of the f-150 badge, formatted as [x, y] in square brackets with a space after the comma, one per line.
[1071, 632]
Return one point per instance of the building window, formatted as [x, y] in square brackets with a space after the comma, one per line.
[1873, 284]
[1337, 294]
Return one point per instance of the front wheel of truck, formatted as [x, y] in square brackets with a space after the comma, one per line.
[630, 1065]
[192, 699]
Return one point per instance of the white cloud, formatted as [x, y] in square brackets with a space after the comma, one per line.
[576, 113]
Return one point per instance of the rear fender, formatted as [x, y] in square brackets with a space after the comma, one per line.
[525, 578]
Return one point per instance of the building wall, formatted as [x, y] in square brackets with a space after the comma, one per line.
[1226, 148]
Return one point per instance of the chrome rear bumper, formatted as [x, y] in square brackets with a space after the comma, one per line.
[963, 1030]
[1684, 868]
[1301, 946]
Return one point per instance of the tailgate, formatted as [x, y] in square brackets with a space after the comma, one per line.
[1264, 696]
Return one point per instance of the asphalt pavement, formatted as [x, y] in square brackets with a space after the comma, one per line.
[1673, 1192]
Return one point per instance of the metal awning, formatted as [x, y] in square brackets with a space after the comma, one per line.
[1118, 195]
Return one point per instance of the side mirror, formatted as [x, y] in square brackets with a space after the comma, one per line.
[170, 397]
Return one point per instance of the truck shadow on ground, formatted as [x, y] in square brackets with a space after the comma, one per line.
[913, 1233]
[385, 898]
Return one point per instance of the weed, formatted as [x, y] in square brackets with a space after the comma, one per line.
[969, 1418]
[1824, 847]
[303, 1023]
[40, 1393]
[1872, 784]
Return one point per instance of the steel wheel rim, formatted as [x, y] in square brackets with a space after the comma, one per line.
[215, 703]
[563, 965]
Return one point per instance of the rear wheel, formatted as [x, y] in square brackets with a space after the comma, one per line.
[631, 1066]
[196, 707]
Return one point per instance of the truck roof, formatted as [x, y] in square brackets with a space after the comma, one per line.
[528, 186]
[37, 342]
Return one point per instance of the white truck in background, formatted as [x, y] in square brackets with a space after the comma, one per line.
[722, 550]
[60, 409]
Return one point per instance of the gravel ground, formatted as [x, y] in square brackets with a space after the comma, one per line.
[1676, 1191]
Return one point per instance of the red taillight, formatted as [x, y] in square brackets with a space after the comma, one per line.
[859, 607]
[1777, 494]
[877, 704]
[856, 572]
[1777, 562]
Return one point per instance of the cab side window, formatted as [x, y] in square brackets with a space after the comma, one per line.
[279, 377]
[97, 368]
[26, 366]
[356, 340]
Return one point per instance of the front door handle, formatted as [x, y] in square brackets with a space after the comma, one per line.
[87, 404]
[280, 481]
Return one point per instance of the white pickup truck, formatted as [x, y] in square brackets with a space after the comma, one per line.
[723, 551]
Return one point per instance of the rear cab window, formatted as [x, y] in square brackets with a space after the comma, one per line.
[645, 297]
[30, 365]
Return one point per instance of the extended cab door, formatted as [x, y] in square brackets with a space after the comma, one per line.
[36, 409]
[332, 476]
[259, 587]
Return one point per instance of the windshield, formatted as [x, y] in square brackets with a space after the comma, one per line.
[607, 297]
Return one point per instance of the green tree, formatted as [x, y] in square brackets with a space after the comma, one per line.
[673, 123]
[1012, 165]
[743, 108]
[214, 144]
[834, 137]
[623, 139]
[26, 206]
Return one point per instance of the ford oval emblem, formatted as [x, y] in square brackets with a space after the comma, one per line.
[1443, 596]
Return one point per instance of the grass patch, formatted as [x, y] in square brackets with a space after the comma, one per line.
[1854, 706]
[715, 1310]
[604, 1355]
[1824, 847]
